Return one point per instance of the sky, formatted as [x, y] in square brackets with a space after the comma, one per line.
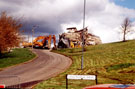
[103, 17]
[126, 3]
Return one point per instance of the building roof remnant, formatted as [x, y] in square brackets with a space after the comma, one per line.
[74, 36]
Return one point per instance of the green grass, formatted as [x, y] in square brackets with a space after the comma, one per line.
[120, 66]
[112, 63]
[18, 55]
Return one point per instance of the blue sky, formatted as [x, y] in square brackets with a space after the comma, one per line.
[126, 3]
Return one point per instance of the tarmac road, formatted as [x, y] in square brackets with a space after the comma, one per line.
[45, 66]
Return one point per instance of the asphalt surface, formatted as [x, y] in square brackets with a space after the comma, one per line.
[45, 66]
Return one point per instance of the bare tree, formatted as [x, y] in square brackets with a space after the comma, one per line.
[125, 27]
[9, 32]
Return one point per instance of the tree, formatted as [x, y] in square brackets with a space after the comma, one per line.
[9, 32]
[125, 27]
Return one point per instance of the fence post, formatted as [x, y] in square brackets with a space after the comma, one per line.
[66, 82]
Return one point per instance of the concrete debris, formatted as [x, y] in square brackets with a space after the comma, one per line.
[73, 38]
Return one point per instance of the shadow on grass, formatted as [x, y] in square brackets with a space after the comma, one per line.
[120, 66]
[6, 55]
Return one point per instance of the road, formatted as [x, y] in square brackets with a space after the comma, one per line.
[45, 66]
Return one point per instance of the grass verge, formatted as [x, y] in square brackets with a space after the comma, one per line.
[17, 56]
[112, 63]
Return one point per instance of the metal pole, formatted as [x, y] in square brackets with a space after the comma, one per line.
[28, 38]
[84, 14]
[33, 33]
[66, 82]
[96, 80]
[32, 36]
[83, 35]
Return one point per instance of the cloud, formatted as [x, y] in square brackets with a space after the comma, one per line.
[105, 20]
[103, 17]
[106, 23]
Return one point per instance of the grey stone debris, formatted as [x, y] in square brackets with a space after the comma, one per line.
[74, 36]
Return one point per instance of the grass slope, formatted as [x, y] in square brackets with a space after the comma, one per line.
[18, 55]
[112, 63]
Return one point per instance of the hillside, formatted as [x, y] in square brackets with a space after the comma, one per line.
[112, 63]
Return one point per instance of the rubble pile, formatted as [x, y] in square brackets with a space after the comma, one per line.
[74, 37]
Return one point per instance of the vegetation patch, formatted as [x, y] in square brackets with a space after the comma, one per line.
[18, 55]
[120, 66]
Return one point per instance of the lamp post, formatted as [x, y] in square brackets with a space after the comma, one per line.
[82, 59]
[33, 28]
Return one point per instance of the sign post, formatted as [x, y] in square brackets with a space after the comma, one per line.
[80, 77]
[66, 82]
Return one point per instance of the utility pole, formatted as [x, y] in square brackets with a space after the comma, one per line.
[82, 59]
[33, 28]
[28, 37]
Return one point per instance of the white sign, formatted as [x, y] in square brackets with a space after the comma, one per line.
[83, 77]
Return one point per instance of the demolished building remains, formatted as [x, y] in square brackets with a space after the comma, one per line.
[73, 38]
